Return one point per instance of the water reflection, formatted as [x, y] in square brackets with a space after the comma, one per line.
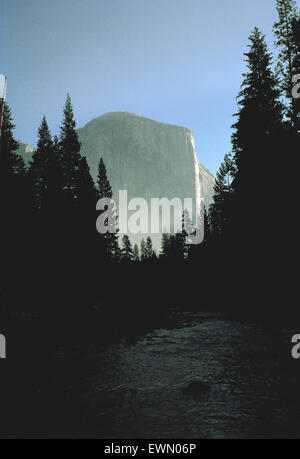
[247, 368]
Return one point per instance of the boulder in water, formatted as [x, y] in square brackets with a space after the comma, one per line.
[197, 389]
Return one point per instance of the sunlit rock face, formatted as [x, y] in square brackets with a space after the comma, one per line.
[207, 183]
[26, 151]
[147, 158]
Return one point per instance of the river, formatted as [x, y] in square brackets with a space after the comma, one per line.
[244, 385]
[139, 390]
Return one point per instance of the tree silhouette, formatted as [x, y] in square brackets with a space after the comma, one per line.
[219, 211]
[285, 41]
[149, 249]
[136, 253]
[103, 186]
[45, 170]
[70, 156]
[11, 164]
[252, 228]
[104, 191]
[126, 250]
[296, 66]
[15, 215]
[165, 246]
[143, 250]
[260, 112]
[13, 180]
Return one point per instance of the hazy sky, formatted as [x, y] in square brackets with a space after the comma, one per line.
[176, 61]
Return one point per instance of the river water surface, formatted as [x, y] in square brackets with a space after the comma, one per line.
[138, 390]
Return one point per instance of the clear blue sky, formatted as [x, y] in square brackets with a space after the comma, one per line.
[176, 61]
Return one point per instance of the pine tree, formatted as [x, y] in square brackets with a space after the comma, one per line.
[296, 44]
[78, 205]
[149, 248]
[14, 207]
[136, 253]
[259, 117]
[11, 164]
[165, 246]
[104, 191]
[70, 155]
[143, 250]
[126, 251]
[56, 172]
[219, 211]
[285, 41]
[45, 170]
[173, 247]
[296, 66]
[257, 143]
[13, 177]
[103, 185]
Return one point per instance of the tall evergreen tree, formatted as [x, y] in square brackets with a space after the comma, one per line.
[149, 248]
[13, 177]
[70, 155]
[103, 185]
[15, 216]
[143, 250]
[45, 170]
[296, 44]
[11, 164]
[257, 145]
[104, 191]
[126, 251]
[296, 66]
[285, 41]
[136, 253]
[165, 246]
[259, 118]
[219, 211]
[78, 206]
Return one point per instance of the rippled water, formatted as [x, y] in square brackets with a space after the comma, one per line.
[138, 389]
[253, 383]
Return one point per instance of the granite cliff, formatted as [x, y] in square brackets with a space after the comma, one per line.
[147, 158]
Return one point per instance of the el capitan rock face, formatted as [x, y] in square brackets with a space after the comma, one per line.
[207, 182]
[148, 158]
[26, 151]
